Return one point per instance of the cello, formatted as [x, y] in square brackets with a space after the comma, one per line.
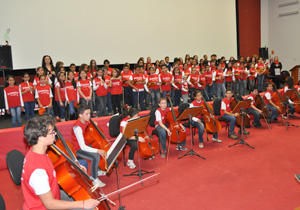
[212, 125]
[296, 99]
[238, 118]
[71, 178]
[178, 134]
[277, 100]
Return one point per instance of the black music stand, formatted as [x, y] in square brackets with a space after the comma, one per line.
[285, 101]
[189, 113]
[133, 128]
[239, 108]
[112, 155]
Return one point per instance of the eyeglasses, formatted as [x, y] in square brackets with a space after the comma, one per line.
[52, 133]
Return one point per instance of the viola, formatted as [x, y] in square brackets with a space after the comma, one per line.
[178, 134]
[95, 137]
[71, 178]
[239, 118]
[212, 125]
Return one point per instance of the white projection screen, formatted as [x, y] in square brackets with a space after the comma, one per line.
[76, 31]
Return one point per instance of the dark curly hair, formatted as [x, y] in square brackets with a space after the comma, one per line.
[36, 127]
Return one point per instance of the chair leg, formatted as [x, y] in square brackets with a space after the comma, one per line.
[124, 157]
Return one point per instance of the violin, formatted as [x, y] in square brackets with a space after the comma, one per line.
[95, 137]
[212, 125]
[71, 178]
[151, 84]
[239, 118]
[178, 134]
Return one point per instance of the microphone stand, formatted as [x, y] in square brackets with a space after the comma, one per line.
[241, 141]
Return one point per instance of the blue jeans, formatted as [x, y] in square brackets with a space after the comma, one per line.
[209, 91]
[220, 90]
[229, 84]
[138, 98]
[29, 109]
[243, 87]
[15, 113]
[109, 103]
[71, 107]
[256, 115]
[200, 130]
[162, 135]
[232, 120]
[83, 101]
[177, 97]
[273, 111]
[251, 83]
[155, 96]
[260, 82]
[237, 84]
[164, 95]
[128, 96]
[62, 109]
[204, 94]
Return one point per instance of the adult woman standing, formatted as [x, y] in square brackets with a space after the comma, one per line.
[275, 71]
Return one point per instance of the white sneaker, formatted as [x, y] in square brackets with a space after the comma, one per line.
[217, 140]
[99, 183]
[101, 173]
[131, 164]
[201, 145]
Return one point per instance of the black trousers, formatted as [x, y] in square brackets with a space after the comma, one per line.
[116, 103]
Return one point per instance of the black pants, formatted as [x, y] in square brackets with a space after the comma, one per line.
[116, 103]
[133, 148]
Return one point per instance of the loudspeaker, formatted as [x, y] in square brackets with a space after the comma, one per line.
[5, 57]
[264, 52]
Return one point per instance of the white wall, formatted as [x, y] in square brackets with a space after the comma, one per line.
[284, 33]
[121, 31]
[264, 24]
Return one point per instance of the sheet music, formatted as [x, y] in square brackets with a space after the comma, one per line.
[277, 71]
[114, 144]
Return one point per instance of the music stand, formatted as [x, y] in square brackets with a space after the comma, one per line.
[239, 108]
[133, 128]
[285, 101]
[189, 113]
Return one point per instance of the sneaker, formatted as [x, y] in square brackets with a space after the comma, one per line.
[99, 183]
[244, 132]
[292, 115]
[182, 148]
[131, 164]
[201, 145]
[101, 173]
[233, 136]
[217, 140]
[163, 154]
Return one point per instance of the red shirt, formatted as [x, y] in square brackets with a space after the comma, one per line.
[237, 73]
[76, 75]
[228, 78]
[219, 73]
[71, 92]
[177, 81]
[28, 96]
[116, 87]
[138, 77]
[185, 86]
[126, 77]
[109, 72]
[163, 113]
[101, 90]
[208, 76]
[202, 81]
[32, 162]
[85, 86]
[107, 81]
[12, 97]
[153, 78]
[243, 75]
[194, 78]
[227, 103]
[252, 97]
[252, 73]
[43, 93]
[165, 78]
[62, 91]
[265, 98]
[73, 137]
[186, 72]
[260, 66]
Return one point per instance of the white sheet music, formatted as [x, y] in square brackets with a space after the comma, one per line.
[277, 71]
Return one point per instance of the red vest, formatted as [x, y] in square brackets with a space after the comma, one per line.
[76, 75]
[202, 81]
[178, 81]
[85, 87]
[101, 90]
[138, 77]
[13, 96]
[186, 72]
[260, 66]
[126, 77]
[44, 94]
[228, 78]
[198, 104]
[252, 73]
[194, 78]
[163, 113]
[243, 75]
[237, 73]
[28, 96]
[250, 96]
[107, 81]
[219, 73]
[32, 162]
[265, 98]
[208, 76]
[116, 87]
[71, 91]
[62, 92]
[73, 137]
[185, 86]
[166, 78]
[227, 103]
[153, 78]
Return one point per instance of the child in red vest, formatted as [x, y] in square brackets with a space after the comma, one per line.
[166, 80]
[100, 87]
[71, 94]
[153, 87]
[39, 72]
[219, 82]
[228, 74]
[116, 90]
[13, 101]
[253, 107]
[60, 94]
[252, 75]
[27, 91]
[209, 82]
[43, 95]
[126, 74]
[185, 90]
[81, 146]
[243, 79]
[177, 78]
[261, 71]
[85, 90]
[161, 127]
[137, 81]
[269, 102]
